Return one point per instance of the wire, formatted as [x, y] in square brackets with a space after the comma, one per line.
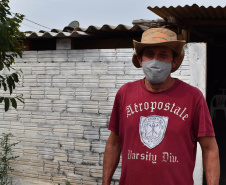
[30, 26]
[33, 22]
[37, 23]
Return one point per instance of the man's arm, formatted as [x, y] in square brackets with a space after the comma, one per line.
[211, 162]
[111, 158]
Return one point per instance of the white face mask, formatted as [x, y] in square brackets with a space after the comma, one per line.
[156, 71]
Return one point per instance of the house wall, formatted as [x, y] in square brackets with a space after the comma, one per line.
[62, 127]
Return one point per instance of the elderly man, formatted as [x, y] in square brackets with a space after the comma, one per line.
[157, 121]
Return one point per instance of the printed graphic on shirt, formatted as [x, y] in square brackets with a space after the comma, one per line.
[165, 157]
[152, 130]
[153, 106]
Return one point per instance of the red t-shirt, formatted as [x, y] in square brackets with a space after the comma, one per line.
[158, 132]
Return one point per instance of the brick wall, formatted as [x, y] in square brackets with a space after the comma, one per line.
[62, 128]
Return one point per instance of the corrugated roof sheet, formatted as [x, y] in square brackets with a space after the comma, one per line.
[109, 28]
[86, 32]
[190, 12]
[52, 34]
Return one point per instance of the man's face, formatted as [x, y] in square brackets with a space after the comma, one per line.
[161, 53]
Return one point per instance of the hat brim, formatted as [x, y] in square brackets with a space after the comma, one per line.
[176, 46]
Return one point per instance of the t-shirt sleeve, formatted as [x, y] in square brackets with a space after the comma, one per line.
[115, 115]
[202, 120]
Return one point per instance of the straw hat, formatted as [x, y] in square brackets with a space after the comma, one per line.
[159, 37]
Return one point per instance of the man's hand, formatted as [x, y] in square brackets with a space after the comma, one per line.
[111, 158]
[211, 162]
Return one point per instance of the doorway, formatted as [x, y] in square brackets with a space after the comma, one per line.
[216, 85]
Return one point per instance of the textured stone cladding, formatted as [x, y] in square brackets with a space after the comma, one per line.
[62, 127]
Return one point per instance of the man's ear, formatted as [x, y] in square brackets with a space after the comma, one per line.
[140, 60]
[175, 61]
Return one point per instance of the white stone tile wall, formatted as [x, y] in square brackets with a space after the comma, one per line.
[62, 127]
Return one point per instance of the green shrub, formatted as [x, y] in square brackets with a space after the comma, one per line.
[5, 158]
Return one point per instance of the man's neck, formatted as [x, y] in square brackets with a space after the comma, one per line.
[160, 87]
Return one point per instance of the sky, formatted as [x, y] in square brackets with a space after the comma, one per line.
[57, 14]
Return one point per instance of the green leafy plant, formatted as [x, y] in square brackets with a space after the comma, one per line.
[5, 158]
[11, 47]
